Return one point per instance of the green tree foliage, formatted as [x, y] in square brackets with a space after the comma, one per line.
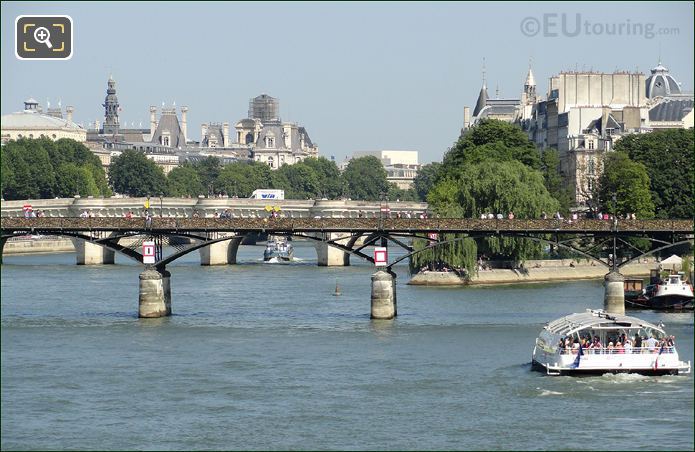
[492, 139]
[75, 179]
[42, 168]
[6, 170]
[426, 178]
[299, 181]
[668, 158]
[490, 187]
[31, 168]
[459, 252]
[134, 174]
[331, 184]
[550, 166]
[629, 182]
[242, 178]
[399, 194]
[184, 181]
[209, 170]
[365, 179]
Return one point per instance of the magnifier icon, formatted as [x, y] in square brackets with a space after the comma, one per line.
[43, 36]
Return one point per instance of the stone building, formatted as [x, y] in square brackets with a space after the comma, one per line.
[32, 122]
[269, 139]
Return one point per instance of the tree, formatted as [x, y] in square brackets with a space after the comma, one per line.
[299, 181]
[184, 180]
[331, 184]
[6, 171]
[399, 194]
[668, 158]
[134, 174]
[629, 183]
[550, 166]
[208, 171]
[426, 178]
[72, 179]
[365, 178]
[490, 187]
[33, 175]
[492, 138]
[242, 178]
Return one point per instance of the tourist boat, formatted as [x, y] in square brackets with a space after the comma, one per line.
[278, 249]
[656, 356]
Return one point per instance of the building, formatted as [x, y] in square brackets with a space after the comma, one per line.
[401, 166]
[33, 123]
[162, 142]
[270, 140]
[583, 116]
[670, 108]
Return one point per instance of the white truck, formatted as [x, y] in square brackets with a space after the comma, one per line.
[268, 194]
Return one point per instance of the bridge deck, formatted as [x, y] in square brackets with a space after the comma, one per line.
[11, 226]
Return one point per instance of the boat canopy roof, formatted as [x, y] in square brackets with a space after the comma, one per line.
[593, 318]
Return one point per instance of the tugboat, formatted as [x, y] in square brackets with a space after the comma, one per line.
[278, 249]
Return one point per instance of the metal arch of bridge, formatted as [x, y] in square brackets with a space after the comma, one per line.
[610, 263]
[381, 228]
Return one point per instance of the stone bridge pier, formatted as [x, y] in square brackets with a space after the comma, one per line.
[88, 253]
[384, 295]
[221, 253]
[614, 298]
[155, 293]
[330, 256]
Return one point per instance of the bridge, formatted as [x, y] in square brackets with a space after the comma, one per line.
[336, 239]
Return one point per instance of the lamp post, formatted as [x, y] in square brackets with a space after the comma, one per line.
[161, 210]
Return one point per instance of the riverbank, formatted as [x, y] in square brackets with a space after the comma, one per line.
[533, 271]
[38, 246]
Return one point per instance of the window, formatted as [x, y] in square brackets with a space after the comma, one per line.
[591, 144]
[165, 141]
[54, 136]
[591, 167]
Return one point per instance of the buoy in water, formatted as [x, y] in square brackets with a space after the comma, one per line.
[337, 292]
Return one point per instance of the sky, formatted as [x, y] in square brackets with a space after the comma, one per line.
[359, 76]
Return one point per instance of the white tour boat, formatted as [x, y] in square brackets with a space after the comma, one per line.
[591, 342]
[672, 292]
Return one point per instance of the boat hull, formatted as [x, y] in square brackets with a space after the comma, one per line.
[663, 303]
[535, 365]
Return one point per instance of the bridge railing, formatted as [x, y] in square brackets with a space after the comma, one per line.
[442, 225]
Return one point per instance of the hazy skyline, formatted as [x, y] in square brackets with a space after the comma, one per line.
[358, 76]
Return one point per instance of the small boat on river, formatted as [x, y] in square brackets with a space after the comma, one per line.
[278, 249]
[668, 293]
[594, 342]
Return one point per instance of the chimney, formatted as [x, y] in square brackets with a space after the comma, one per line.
[466, 117]
[97, 125]
[153, 119]
[68, 113]
[203, 133]
[225, 134]
[184, 126]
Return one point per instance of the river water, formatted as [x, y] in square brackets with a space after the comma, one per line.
[263, 356]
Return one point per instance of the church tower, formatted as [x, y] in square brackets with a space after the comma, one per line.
[110, 105]
[482, 96]
[529, 95]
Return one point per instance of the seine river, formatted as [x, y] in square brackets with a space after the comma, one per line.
[263, 356]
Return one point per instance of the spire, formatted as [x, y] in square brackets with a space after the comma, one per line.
[484, 81]
[530, 79]
[482, 96]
